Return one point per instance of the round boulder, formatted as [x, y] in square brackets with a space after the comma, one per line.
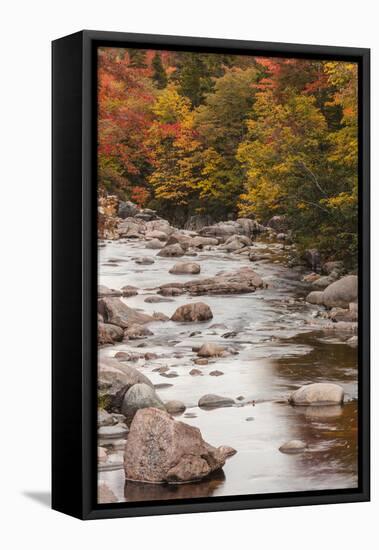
[140, 396]
[342, 292]
[321, 393]
[175, 407]
[197, 311]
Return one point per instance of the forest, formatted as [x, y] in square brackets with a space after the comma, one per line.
[232, 136]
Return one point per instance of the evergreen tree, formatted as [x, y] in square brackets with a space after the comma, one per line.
[137, 58]
[159, 74]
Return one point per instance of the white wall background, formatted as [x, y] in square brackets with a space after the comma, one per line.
[27, 29]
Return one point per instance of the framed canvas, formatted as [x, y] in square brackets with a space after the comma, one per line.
[210, 275]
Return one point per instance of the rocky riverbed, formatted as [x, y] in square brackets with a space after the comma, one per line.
[218, 329]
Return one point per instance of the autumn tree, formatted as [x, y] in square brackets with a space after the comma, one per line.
[220, 123]
[125, 98]
[188, 132]
[175, 154]
[299, 165]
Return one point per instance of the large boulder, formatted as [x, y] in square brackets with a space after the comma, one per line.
[171, 251]
[159, 225]
[115, 379]
[114, 311]
[139, 396]
[108, 333]
[127, 209]
[244, 280]
[197, 311]
[185, 268]
[162, 449]
[131, 228]
[342, 292]
[321, 393]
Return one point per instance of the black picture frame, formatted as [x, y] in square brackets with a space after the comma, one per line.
[74, 273]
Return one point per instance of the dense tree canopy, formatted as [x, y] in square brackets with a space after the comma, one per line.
[191, 133]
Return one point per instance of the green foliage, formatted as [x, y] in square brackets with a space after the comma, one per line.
[195, 74]
[159, 74]
[297, 165]
[220, 120]
[137, 58]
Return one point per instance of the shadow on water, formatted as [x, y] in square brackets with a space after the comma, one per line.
[331, 434]
[135, 491]
[328, 360]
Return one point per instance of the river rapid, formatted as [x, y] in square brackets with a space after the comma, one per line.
[282, 344]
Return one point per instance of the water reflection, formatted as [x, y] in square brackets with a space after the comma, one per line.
[332, 438]
[134, 491]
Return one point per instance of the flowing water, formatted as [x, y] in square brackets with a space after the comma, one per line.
[282, 345]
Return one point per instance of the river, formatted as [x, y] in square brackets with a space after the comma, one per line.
[282, 345]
